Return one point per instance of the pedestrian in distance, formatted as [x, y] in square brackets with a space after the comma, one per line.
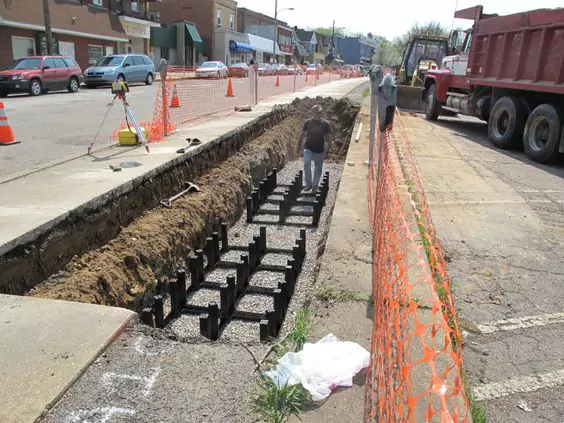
[315, 143]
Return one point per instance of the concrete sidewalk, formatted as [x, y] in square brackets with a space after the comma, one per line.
[37, 202]
[46, 346]
[347, 265]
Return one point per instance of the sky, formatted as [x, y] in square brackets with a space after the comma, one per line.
[387, 18]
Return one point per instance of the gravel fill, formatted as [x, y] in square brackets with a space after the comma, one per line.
[220, 275]
[256, 303]
[264, 279]
[277, 236]
[203, 297]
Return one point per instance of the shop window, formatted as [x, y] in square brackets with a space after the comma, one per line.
[231, 21]
[165, 53]
[98, 2]
[95, 53]
[22, 47]
[135, 6]
[218, 20]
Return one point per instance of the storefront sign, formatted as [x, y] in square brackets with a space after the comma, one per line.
[285, 48]
[136, 30]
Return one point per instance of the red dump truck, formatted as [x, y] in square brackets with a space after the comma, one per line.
[509, 72]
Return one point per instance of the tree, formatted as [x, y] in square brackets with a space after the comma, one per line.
[48, 32]
[431, 28]
[387, 53]
[328, 31]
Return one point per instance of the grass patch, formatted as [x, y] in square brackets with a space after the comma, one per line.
[327, 293]
[477, 410]
[366, 92]
[277, 403]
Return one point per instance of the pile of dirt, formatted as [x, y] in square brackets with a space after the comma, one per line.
[122, 272]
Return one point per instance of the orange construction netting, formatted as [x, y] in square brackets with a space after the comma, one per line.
[415, 374]
[182, 97]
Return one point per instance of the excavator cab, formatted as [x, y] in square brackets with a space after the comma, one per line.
[422, 53]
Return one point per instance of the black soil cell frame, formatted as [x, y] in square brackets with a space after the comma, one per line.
[214, 317]
[292, 196]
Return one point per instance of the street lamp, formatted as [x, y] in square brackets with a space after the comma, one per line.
[276, 27]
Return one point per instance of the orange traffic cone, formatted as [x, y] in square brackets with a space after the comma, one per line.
[229, 89]
[277, 81]
[306, 76]
[175, 102]
[6, 133]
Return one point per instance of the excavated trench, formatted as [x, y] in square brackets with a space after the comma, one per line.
[116, 254]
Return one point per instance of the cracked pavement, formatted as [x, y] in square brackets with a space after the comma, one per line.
[500, 219]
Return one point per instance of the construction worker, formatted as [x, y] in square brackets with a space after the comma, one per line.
[316, 133]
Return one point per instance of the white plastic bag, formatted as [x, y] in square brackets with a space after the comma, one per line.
[321, 367]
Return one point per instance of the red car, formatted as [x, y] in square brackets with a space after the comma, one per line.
[39, 74]
[238, 70]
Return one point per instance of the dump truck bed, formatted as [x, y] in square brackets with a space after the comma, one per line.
[521, 51]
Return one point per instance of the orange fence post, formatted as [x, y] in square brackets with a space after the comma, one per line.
[277, 83]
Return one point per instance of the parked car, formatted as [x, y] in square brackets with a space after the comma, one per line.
[238, 70]
[279, 69]
[265, 69]
[295, 70]
[214, 69]
[312, 68]
[39, 74]
[120, 67]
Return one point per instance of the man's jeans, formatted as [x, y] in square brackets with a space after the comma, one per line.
[317, 159]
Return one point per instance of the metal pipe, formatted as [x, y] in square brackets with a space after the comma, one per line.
[357, 138]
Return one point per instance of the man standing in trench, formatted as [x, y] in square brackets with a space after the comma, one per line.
[317, 135]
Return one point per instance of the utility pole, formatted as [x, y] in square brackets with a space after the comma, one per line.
[48, 33]
[275, 30]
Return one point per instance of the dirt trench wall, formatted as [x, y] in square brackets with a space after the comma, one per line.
[99, 221]
[124, 270]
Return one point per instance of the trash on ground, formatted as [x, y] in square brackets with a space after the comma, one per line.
[321, 367]
[524, 406]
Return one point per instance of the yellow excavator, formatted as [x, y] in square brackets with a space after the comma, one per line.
[422, 53]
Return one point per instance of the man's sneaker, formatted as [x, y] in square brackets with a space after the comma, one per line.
[307, 189]
[314, 190]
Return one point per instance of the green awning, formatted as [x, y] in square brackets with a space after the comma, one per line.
[164, 37]
[193, 37]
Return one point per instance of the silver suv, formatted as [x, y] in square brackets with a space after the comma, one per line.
[120, 67]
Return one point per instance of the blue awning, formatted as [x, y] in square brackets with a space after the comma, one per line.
[240, 47]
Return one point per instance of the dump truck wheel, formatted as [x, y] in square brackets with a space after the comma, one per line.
[507, 122]
[542, 134]
[433, 110]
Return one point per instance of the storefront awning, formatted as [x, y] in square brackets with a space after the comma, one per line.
[164, 37]
[240, 47]
[263, 45]
[193, 37]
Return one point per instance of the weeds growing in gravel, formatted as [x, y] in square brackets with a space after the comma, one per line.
[276, 404]
[327, 293]
[366, 92]
[477, 410]
[300, 332]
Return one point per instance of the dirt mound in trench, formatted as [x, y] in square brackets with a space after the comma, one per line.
[124, 270]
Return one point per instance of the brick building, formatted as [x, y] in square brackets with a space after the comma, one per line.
[255, 23]
[206, 16]
[82, 32]
[83, 29]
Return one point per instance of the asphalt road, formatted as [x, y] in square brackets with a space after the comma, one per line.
[54, 126]
[500, 219]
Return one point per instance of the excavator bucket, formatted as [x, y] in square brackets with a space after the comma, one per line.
[409, 98]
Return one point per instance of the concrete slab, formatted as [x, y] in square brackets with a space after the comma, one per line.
[46, 346]
[75, 183]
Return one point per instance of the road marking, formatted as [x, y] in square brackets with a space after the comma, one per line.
[523, 384]
[103, 414]
[149, 380]
[516, 323]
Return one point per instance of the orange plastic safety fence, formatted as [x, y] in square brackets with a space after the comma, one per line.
[182, 97]
[415, 374]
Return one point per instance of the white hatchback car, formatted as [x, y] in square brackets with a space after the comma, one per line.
[214, 69]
